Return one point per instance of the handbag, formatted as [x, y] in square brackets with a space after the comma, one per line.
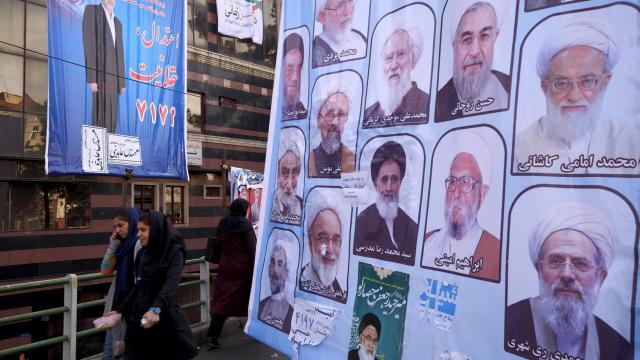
[214, 248]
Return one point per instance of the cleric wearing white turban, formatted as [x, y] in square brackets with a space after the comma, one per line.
[578, 217]
[287, 204]
[475, 87]
[472, 249]
[575, 65]
[338, 41]
[571, 247]
[325, 221]
[400, 100]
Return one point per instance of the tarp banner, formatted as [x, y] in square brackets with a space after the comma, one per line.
[242, 19]
[117, 85]
[452, 180]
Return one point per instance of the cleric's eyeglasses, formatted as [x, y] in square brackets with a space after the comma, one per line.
[585, 82]
[342, 6]
[326, 239]
[466, 183]
[580, 264]
[331, 115]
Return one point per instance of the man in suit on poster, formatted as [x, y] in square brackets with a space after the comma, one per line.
[104, 60]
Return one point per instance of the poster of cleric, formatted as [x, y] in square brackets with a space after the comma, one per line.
[117, 84]
[472, 164]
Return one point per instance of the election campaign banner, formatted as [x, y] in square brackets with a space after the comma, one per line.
[452, 180]
[241, 19]
[117, 85]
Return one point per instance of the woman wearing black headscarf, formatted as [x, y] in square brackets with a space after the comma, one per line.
[157, 328]
[119, 258]
[233, 284]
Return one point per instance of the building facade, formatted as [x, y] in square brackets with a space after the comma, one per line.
[54, 225]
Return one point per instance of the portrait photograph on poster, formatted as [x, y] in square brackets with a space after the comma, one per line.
[286, 206]
[340, 31]
[387, 228]
[295, 74]
[579, 119]
[531, 5]
[333, 122]
[400, 68]
[377, 330]
[278, 278]
[110, 67]
[476, 52]
[465, 204]
[570, 275]
[327, 226]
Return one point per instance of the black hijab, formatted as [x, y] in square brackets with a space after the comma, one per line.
[164, 241]
[237, 221]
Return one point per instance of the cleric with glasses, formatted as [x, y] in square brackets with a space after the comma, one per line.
[577, 135]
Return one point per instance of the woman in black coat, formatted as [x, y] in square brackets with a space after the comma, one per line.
[157, 328]
[233, 284]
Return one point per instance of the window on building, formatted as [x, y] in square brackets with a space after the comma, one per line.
[36, 34]
[212, 192]
[144, 196]
[197, 23]
[12, 24]
[23, 77]
[194, 112]
[174, 203]
[227, 102]
[38, 206]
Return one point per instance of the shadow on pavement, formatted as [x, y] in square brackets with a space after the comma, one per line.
[235, 344]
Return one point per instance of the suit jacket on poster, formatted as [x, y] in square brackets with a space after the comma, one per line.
[105, 65]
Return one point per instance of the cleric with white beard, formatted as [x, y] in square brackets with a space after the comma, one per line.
[383, 229]
[287, 205]
[571, 247]
[575, 65]
[338, 41]
[324, 225]
[400, 101]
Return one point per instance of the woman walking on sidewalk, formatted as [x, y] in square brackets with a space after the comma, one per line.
[233, 284]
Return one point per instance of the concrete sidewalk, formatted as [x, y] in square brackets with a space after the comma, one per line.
[235, 344]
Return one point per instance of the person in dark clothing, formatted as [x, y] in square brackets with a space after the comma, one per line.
[233, 284]
[157, 328]
[119, 258]
[104, 60]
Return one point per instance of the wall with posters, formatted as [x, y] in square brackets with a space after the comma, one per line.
[452, 180]
[117, 85]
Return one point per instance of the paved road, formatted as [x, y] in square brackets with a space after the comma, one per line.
[236, 345]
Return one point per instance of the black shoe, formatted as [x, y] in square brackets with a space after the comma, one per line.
[213, 344]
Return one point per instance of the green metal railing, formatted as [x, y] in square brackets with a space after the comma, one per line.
[71, 307]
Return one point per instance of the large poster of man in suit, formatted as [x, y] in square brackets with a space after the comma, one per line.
[104, 59]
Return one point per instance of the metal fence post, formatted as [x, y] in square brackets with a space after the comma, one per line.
[205, 291]
[70, 317]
